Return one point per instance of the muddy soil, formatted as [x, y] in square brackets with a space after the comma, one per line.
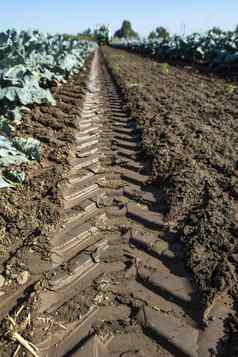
[229, 73]
[30, 211]
[116, 282]
[189, 131]
[231, 338]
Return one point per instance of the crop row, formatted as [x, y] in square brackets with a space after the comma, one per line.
[31, 63]
[218, 49]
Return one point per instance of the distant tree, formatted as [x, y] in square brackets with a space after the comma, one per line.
[152, 35]
[236, 29]
[87, 32]
[216, 30]
[86, 35]
[126, 31]
[162, 33]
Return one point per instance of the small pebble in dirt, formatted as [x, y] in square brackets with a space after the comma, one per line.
[2, 281]
[23, 277]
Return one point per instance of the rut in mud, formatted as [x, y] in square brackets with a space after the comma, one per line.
[189, 131]
[116, 285]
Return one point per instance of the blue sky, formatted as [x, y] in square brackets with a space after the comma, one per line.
[72, 16]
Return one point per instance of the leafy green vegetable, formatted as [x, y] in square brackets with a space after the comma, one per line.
[30, 147]
[9, 155]
[29, 63]
[14, 176]
[219, 49]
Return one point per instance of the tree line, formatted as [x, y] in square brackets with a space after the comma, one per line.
[127, 32]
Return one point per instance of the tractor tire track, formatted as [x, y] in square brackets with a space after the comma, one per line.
[117, 285]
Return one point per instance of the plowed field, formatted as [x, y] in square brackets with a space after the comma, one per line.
[122, 241]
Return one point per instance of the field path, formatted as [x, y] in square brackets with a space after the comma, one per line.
[117, 285]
